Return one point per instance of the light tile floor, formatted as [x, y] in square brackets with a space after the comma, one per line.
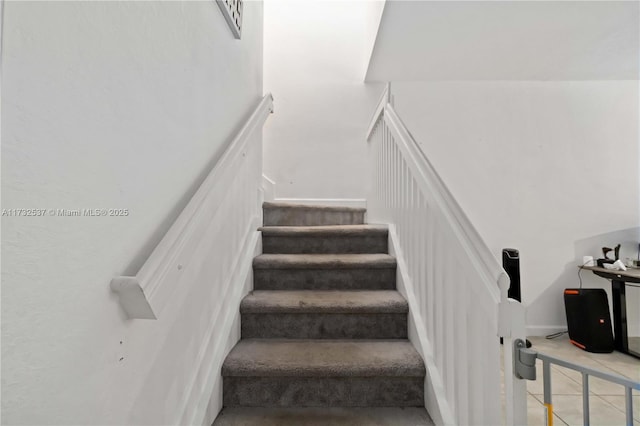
[606, 399]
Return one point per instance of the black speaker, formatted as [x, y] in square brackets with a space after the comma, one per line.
[588, 319]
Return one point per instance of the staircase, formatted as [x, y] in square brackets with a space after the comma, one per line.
[324, 333]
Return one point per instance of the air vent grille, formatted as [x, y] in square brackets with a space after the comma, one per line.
[232, 11]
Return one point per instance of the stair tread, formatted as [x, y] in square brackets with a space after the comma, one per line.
[315, 416]
[323, 358]
[324, 301]
[272, 205]
[324, 261]
[323, 231]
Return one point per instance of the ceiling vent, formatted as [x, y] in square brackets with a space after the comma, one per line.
[232, 11]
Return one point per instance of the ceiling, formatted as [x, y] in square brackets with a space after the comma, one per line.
[507, 40]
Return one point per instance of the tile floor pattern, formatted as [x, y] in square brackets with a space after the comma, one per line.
[606, 399]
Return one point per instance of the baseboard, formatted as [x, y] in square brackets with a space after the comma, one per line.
[544, 330]
[434, 392]
[205, 393]
[333, 202]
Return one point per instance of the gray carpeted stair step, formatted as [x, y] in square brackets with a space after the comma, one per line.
[369, 416]
[282, 214]
[324, 272]
[324, 327]
[322, 373]
[325, 239]
[308, 314]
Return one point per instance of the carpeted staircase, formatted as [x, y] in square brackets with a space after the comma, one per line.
[324, 331]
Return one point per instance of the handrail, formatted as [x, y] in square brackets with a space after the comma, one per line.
[138, 294]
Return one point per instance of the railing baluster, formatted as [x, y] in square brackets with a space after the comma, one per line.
[402, 214]
[390, 172]
[399, 215]
[389, 160]
[461, 351]
[585, 399]
[398, 189]
[546, 378]
[383, 165]
[392, 165]
[380, 168]
[394, 179]
[450, 318]
[405, 208]
[628, 405]
[385, 156]
[415, 235]
[475, 376]
[422, 256]
[430, 281]
[437, 291]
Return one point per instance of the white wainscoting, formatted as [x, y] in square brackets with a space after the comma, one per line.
[204, 401]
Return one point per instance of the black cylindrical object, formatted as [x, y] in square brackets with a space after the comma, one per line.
[511, 265]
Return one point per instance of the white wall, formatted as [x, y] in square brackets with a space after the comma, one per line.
[374, 10]
[107, 105]
[315, 57]
[550, 168]
[507, 40]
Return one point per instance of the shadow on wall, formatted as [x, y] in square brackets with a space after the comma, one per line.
[548, 308]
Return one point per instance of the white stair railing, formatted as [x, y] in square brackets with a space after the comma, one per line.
[456, 288]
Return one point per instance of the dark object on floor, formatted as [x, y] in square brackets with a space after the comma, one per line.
[588, 319]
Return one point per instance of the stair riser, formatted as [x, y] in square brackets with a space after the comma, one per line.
[324, 326]
[323, 391]
[303, 217]
[325, 245]
[324, 279]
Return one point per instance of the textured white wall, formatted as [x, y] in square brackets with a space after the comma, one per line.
[314, 58]
[106, 105]
[550, 168]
